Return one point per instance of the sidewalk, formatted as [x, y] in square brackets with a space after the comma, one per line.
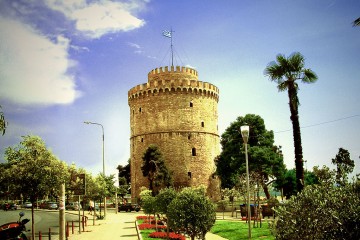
[116, 226]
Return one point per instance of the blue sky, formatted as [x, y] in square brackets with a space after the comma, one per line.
[66, 62]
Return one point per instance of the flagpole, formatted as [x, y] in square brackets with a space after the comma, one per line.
[168, 34]
[172, 52]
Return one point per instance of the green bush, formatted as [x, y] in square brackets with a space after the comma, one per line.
[320, 211]
[191, 212]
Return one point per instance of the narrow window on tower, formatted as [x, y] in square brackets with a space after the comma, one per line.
[202, 124]
[142, 139]
[191, 104]
[140, 109]
[193, 151]
[189, 136]
[189, 175]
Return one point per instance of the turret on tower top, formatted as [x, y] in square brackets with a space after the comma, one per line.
[164, 72]
[175, 79]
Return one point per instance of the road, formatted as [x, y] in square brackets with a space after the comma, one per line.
[43, 219]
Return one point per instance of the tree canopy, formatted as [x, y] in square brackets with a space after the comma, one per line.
[155, 170]
[321, 211]
[264, 157]
[192, 212]
[34, 171]
[344, 165]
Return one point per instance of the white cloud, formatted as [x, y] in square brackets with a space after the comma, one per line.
[99, 18]
[134, 45]
[34, 70]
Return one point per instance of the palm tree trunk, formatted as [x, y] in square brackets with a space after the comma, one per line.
[293, 103]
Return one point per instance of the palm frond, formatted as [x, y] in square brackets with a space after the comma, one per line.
[309, 76]
[296, 62]
[356, 22]
[283, 86]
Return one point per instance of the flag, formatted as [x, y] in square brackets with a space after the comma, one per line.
[167, 33]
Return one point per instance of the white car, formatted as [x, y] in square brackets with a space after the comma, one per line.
[27, 205]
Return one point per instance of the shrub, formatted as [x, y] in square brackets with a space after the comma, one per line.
[191, 212]
[173, 236]
[321, 211]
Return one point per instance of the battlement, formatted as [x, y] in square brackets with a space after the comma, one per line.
[174, 86]
[165, 72]
[179, 79]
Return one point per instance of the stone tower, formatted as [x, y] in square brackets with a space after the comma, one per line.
[178, 113]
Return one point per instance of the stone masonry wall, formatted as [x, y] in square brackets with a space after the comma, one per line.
[179, 114]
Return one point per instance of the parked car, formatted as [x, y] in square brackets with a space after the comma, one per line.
[128, 207]
[73, 206]
[52, 206]
[27, 205]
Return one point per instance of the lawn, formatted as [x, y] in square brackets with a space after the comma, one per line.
[235, 230]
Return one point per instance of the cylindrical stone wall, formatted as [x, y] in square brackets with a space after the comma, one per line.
[178, 113]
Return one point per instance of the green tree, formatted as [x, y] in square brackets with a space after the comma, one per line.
[123, 187]
[264, 157]
[148, 202]
[286, 184]
[34, 171]
[321, 211]
[286, 72]
[105, 187]
[192, 212]
[124, 179]
[124, 171]
[2, 122]
[155, 170]
[163, 200]
[344, 165]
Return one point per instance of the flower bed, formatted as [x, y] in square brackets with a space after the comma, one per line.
[145, 227]
[143, 217]
[163, 235]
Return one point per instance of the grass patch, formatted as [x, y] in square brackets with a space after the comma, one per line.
[235, 230]
[145, 234]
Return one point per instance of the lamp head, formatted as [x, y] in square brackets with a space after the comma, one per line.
[245, 133]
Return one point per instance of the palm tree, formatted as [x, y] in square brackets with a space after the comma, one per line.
[285, 72]
[356, 22]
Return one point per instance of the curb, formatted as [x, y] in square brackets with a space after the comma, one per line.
[138, 230]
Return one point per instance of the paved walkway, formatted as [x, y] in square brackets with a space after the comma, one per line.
[116, 226]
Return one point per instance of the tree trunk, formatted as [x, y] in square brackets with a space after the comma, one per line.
[32, 221]
[266, 191]
[293, 103]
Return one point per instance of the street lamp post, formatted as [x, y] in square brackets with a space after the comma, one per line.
[103, 157]
[245, 136]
